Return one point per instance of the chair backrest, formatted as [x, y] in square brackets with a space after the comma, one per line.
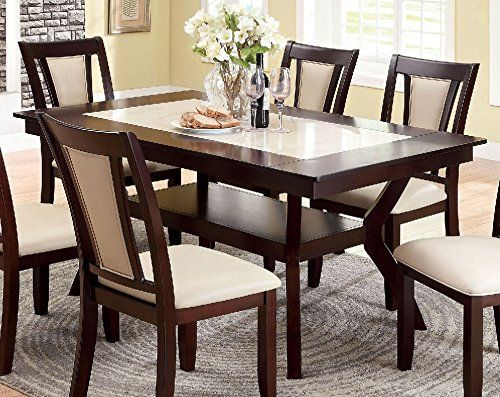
[91, 164]
[323, 74]
[8, 234]
[430, 91]
[66, 67]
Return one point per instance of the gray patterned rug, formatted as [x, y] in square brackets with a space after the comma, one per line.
[349, 344]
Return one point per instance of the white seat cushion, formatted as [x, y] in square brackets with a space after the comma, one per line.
[152, 167]
[468, 264]
[43, 228]
[202, 276]
[418, 194]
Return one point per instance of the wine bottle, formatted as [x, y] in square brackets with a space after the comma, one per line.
[262, 115]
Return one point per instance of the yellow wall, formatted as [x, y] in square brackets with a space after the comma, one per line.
[471, 46]
[136, 59]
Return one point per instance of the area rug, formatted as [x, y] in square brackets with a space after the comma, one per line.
[349, 343]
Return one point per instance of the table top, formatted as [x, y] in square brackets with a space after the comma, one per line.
[324, 153]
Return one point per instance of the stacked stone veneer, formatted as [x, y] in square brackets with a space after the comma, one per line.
[48, 20]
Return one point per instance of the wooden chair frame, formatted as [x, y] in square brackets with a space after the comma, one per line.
[459, 74]
[473, 320]
[37, 53]
[12, 263]
[163, 314]
[344, 61]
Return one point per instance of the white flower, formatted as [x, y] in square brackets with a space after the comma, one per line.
[246, 23]
[212, 35]
[226, 36]
[240, 36]
[222, 55]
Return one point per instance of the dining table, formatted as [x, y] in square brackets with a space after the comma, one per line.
[324, 154]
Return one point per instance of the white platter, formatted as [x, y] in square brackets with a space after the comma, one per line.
[204, 130]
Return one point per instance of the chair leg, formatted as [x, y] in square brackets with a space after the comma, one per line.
[166, 360]
[406, 323]
[75, 287]
[269, 264]
[111, 323]
[267, 346]
[314, 269]
[204, 242]
[496, 311]
[393, 240]
[41, 290]
[87, 334]
[9, 318]
[473, 347]
[188, 344]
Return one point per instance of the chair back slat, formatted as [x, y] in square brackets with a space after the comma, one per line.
[66, 68]
[91, 163]
[430, 92]
[329, 69]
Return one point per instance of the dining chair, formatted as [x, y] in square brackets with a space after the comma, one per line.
[66, 70]
[169, 287]
[468, 273]
[33, 235]
[430, 97]
[323, 76]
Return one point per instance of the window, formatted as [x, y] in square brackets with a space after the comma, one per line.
[379, 28]
[211, 4]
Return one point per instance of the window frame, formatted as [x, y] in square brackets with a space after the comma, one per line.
[372, 72]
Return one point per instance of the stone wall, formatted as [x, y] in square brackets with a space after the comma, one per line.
[3, 75]
[49, 20]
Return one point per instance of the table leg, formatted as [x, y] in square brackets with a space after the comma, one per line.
[375, 246]
[294, 344]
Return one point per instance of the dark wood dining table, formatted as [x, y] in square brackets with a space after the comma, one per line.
[394, 162]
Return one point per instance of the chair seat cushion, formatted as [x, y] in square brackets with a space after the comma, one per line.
[418, 194]
[43, 228]
[468, 264]
[202, 276]
[152, 167]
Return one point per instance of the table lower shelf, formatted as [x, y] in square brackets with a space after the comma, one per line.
[250, 221]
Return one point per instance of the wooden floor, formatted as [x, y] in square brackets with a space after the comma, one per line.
[478, 184]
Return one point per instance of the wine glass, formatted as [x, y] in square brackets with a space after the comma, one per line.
[254, 88]
[279, 87]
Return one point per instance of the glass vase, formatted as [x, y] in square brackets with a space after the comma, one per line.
[225, 87]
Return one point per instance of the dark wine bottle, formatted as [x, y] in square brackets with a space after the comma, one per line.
[262, 115]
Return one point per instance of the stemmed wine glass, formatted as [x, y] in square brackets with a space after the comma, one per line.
[254, 88]
[279, 87]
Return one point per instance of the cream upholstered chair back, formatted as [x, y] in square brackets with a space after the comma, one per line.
[431, 89]
[496, 220]
[91, 164]
[323, 76]
[66, 69]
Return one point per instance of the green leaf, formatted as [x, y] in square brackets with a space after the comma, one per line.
[240, 62]
[251, 59]
[245, 52]
[200, 51]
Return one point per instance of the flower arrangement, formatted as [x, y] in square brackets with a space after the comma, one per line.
[232, 36]
[234, 33]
